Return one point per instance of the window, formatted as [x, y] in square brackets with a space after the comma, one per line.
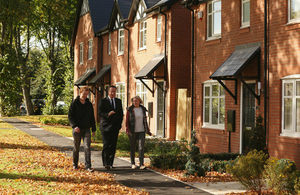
[120, 93]
[294, 10]
[121, 42]
[141, 91]
[245, 13]
[291, 106]
[214, 105]
[214, 19]
[158, 33]
[80, 53]
[90, 49]
[143, 34]
[109, 43]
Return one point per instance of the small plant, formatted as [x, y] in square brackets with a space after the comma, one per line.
[281, 175]
[192, 166]
[248, 170]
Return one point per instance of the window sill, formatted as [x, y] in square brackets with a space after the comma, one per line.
[121, 54]
[213, 41]
[291, 135]
[217, 127]
[245, 29]
[142, 49]
[292, 26]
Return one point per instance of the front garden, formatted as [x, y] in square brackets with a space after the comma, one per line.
[258, 173]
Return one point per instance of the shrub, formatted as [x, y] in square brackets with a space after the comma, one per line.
[281, 175]
[215, 165]
[220, 156]
[123, 142]
[168, 162]
[192, 166]
[248, 170]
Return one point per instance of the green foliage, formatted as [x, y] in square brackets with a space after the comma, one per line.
[248, 170]
[54, 121]
[193, 167]
[258, 140]
[215, 165]
[169, 161]
[123, 142]
[98, 135]
[220, 156]
[281, 175]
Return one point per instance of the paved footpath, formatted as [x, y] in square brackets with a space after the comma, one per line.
[148, 180]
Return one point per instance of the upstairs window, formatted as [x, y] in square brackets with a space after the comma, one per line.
[214, 19]
[245, 13]
[143, 34]
[90, 55]
[121, 42]
[109, 44]
[213, 105]
[80, 53]
[294, 11]
[291, 106]
[158, 33]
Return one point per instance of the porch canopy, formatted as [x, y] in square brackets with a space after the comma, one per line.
[96, 79]
[233, 66]
[85, 76]
[147, 72]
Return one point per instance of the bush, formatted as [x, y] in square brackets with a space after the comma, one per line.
[281, 175]
[123, 142]
[215, 165]
[220, 156]
[54, 121]
[169, 162]
[248, 170]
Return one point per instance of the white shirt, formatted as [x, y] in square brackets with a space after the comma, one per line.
[139, 118]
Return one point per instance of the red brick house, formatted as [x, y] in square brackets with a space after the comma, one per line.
[142, 47]
[247, 56]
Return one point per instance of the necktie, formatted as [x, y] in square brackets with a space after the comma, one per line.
[112, 103]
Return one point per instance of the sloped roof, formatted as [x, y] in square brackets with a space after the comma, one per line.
[124, 6]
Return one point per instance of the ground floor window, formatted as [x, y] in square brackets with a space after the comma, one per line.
[291, 105]
[120, 93]
[213, 105]
[141, 91]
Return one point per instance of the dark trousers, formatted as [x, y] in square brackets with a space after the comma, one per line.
[109, 139]
[140, 137]
[85, 134]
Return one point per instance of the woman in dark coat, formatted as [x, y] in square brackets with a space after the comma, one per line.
[81, 118]
[136, 127]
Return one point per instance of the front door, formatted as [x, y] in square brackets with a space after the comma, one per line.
[248, 115]
[160, 111]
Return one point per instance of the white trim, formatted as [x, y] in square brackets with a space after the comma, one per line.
[118, 84]
[121, 39]
[245, 24]
[109, 44]
[143, 35]
[158, 28]
[213, 35]
[294, 76]
[290, 21]
[145, 92]
[156, 109]
[81, 53]
[90, 51]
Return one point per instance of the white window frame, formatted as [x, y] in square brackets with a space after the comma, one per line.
[120, 92]
[247, 23]
[293, 80]
[90, 54]
[142, 91]
[292, 20]
[158, 30]
[109, 44]
[81, 53]
[121, 41]
[143, 35]
[207, 123]
[212, 16]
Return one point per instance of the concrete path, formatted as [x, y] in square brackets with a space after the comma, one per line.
[147, 180]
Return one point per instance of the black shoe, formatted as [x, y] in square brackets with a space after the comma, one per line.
[75, 167]
[107, 166]
[90, 170]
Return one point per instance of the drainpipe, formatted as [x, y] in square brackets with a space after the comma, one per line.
[165, 70]
[193, 66]
[265, 65]
[128, 63]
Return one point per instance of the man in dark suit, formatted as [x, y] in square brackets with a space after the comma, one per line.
[111, 117]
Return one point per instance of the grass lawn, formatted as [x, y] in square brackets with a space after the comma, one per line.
[28, 166]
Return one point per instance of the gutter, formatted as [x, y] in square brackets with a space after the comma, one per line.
[193, 63]
[265, 65]
[165, 69]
